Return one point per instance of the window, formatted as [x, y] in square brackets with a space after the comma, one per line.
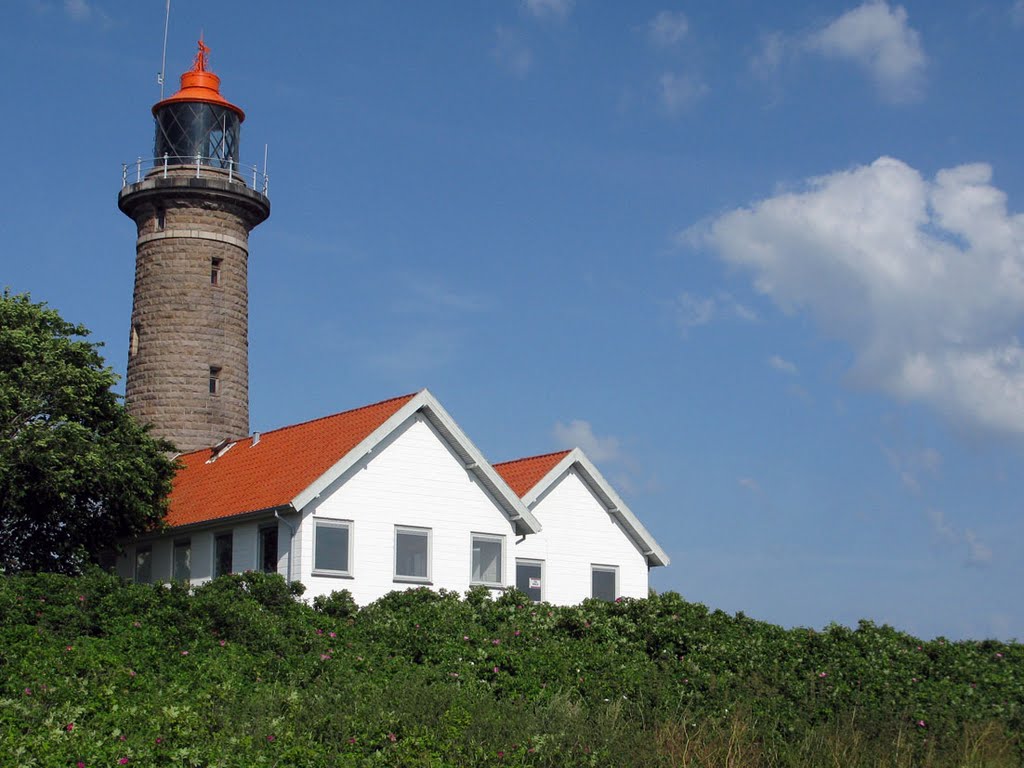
[332, 547]
[214, 380]
[487, 559]
[161, 219]
[144, 565]
[181, 565]
[222, 546]
[412, 554]
[529, 578]
[604, 582]
[215, 271]
[268, 549]
[133, 342]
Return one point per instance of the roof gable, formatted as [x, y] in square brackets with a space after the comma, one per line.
[291, 466]
[268, 472]
[529, 474]
[523, 474]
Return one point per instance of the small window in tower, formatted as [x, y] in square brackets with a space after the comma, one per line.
[133, 343]
[214, 380]
[215, 271]
[161, 219]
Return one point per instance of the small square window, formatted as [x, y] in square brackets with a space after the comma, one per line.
[412, 554]
[530, 578]
[215, 271]
[214, 380]
[332, 547]
[181, 566]
[223, 545]
[487, 566]
[144, 565]
[604, 582]
[161, 219]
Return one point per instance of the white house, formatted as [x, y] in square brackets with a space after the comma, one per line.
[394, 495]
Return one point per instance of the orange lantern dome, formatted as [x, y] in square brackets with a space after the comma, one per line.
[200, 85]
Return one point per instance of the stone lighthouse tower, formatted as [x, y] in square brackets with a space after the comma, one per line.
[188, 355]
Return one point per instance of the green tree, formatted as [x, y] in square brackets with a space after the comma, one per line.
[76, 472]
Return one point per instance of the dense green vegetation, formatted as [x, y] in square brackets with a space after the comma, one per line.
[94, 672]
[76, 472]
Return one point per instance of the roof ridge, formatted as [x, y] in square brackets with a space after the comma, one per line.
[313, 421]
[564, 452]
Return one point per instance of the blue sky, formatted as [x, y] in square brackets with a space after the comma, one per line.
[764, 262]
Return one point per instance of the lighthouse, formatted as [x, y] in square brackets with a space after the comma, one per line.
[193, 206]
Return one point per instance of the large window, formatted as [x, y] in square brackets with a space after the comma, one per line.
[332, 547]
[487, 550]
[144, 565]
[530, 578]
[604, 582]
[222, 553]
[412, 554]
[268, 549]
[181, 564]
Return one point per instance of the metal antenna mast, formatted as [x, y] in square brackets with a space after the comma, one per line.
[163, 58]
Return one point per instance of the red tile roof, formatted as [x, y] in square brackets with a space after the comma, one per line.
[283, 463]
[522, 474]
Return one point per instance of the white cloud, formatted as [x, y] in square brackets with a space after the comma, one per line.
[680, 91]
[79, 10]
[782, 365]
[668, 28]
[692, 311]
[876, 37]
[579, 434]
[923, 278]
[512, 53]
[978, 554]
[911, 465]
[750, 484]
[557, 9]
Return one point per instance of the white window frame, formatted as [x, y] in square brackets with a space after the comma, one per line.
[145, 549]
[595, 567]
[220, 534]
[334, 523]
[492, 537]
[543, 573]
[174, 550]
[416, 531]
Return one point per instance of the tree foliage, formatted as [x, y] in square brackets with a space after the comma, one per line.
[76, 472]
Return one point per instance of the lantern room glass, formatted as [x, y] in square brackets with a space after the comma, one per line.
[187, 129]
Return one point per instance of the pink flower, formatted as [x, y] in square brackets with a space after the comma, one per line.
[70, 648]
[123, 738]
[184, 653]
[822, 674]
[69, 727]
[223, 643]
[123, 761]
[351, 739]
[319, 631]
[79, 764]
[495, 641]
[28, 691]
[453, 674]
[501, 754]
[136, 624]
[517, 633]
[332, 634]
[495, 670]
[81, 598]
[324, 656]
[392, 737]
[131, 673]
[159, 740]
[270, 737]
[920, 724]
[999, 655]
[465, 637]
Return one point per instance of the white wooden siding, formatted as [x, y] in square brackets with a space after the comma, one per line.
[577, 533]
[412, 478]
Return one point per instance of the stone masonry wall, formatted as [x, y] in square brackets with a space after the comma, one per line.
[183, 324]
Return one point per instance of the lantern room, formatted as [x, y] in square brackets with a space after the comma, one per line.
[197, 124]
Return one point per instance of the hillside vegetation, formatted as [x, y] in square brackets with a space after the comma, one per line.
[95, 672]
